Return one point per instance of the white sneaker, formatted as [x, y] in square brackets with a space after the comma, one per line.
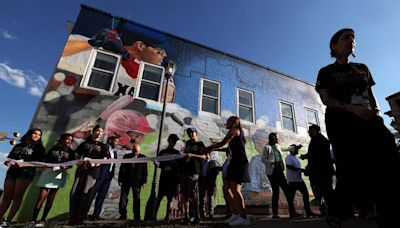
[4, 224]
[232, 218]
[240, 222]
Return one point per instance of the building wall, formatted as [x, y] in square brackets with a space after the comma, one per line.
[66, 107]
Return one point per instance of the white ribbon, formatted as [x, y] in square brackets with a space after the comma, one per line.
[22, 163]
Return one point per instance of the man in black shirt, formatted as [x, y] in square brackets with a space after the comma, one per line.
[191, 168]
[132, 175]
[168, 178]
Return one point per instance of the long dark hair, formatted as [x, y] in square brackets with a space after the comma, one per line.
[271, 138]
[64, 136]
[27, 137]
[236, 124]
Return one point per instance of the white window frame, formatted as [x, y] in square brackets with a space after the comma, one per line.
[90, 65]
[316, 116]
[292, 117]
[140, 80]
[218, 98]
[238, 90]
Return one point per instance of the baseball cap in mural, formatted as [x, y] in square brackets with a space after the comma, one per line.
[173, 137]
[191, 130]
[131, 33]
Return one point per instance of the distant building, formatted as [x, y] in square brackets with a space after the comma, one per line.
[111, 73]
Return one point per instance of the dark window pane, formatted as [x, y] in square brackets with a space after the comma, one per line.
[288, 124]
[100, 80]
[246, 113]
[245, 98]
[209, 105]
[149, 91]
[286, 110]
[105, 62]
[210, 88]
[152, 73]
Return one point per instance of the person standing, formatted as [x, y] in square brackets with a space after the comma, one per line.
[274, 167]
[207, 187]
[19, 178]
[52, 179]
[168, 178]
[296, 182]
[320, 168]
[132, 176]
[105, 178]
[86, 175]
[366, 156]
[237, 172]
[190, 171]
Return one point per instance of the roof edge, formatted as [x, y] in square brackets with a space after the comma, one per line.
[198, 44]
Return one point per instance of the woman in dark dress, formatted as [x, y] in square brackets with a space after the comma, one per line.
[367, 160]
[18, 178]
[237, 172]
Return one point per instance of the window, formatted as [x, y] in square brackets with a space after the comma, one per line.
[210, 93]
[245, 105]
[151, 78]
[101, 71]
[312, 117]
[287, 116]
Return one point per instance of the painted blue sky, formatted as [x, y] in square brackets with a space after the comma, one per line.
[289, 36]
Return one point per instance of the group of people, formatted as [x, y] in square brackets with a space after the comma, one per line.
[91, 183]
[366, 161]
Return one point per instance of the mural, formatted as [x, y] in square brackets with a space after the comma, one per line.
[67, 106]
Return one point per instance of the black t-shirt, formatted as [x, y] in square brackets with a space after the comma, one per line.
[169, 169]
[27, 152]
[60, 154]
[347, 83]
[92, 149]
[193, 165]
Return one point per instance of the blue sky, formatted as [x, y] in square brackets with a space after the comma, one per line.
[289, 36]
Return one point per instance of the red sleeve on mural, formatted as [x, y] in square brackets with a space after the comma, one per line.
[131, 66]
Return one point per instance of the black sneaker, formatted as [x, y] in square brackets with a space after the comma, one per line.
[184, 221]
[122, 217]
[275, 216]
[295, 215]
[311, 214]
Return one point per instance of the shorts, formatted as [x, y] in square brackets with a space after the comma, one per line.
[14, 174]
[189, 184]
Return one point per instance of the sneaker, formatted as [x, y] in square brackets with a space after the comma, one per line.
[232, 218]
[194, 220]
[294, 215]
[40, 224]
[122, 217]
[275, 216]
[311, 214]
[4, 224]
[184, 221]
[240, 222]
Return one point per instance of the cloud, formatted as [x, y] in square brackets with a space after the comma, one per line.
[8, 35]
[23, 79]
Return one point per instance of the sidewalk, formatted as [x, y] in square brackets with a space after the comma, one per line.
[256, 221]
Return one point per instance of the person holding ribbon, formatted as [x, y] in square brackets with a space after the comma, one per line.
[53, 178]
[18, 178]
[86, 175]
